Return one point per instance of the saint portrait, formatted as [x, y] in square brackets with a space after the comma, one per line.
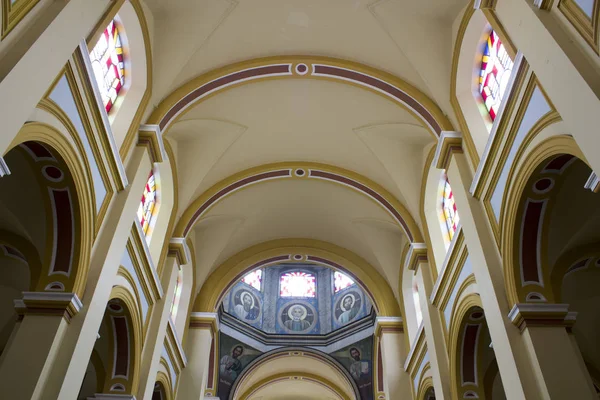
[296, 317]
[246, 306]
[357, 359]
[230, 365]
[348, 307]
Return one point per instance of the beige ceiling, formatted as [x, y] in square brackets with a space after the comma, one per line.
[307, 120]
[411, 39]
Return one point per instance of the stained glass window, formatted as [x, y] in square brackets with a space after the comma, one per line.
[297, 284]
[496, 67]
[449, 212]
[177, 295]
[417, 301]
[253, 279]
[146, 209]
[108, 66]
[341, 281]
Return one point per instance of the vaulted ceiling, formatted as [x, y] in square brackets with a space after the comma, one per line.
[302, 120]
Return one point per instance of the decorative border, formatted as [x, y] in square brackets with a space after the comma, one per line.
[298, 170]
[301, 67]
[13, 13]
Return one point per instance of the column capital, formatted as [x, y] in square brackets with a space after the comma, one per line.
[205, 320]
[3, 168]
[49, 303]
[593, 183]
[449, 142]
[388, 325]
[417, 254]
[150, 136]
[525, 315]
[179, 249]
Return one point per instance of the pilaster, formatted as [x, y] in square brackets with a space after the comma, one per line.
[389, 332]
[513, 364]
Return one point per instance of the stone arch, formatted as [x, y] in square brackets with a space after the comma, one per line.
[332, 375]
[470, 353]
[286, 250]
[301, 67]
[545, 163]
[46, 149]
[298, 170]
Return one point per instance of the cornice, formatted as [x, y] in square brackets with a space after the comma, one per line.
[179, 249]
[524, 315]
[49, 303]
[593, 183]
[205, 320]
[150, 136]
[448, 144]
[417, 254]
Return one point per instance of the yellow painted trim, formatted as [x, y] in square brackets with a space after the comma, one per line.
[218, 281]
[188, 87]
[299, 375]
[430, 256]
[135, 344]
[425, 384]
[188, 214]
[12, 14]
[173, 216]
[458, 321]
[165, 381]
[561, 144]
[587, 27]
[84, 210]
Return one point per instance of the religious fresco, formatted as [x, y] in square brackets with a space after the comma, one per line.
[297, 317]
[348, 306]
[234, 356]
[245, 303]
[358, 360]
[297, 298]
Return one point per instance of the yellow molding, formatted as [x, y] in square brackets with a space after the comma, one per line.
[85, 213]
[447, 146]
[188, 214]
[219, 280]
[424, 385]
[561, 144]
[449, 275]
[382, 327]
[205, 322]
[149, 139]
[142, 265]
[426, 235]
[419, 352]
[587, 27]
[12, 14]
[165, 381]
[454, 351]
[293, 376]
[181, 92]
[173, 210]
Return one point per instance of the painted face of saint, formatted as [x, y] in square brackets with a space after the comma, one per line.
[247, 301]
[347, 302]
[354, 353]
[297, 313]
[237, 351]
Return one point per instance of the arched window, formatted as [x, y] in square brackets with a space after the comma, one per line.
[495, 70]
[177, 295]
[341, 281]
[254, 279]
[449, 213]
[297, 284]
[417, 301]
[147, 205]
[108, 65]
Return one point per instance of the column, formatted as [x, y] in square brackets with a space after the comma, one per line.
[395, 380]
[203, 327]
[24, 84]
[34, 344]
[564, 72]
[161, 313]
[511, 354]
[556, 360]
[69, 369]
[432, 323]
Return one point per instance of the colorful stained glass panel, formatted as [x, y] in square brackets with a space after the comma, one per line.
[145, 212]
[341, 281]
[108, 65]
[254, 279]
[495, 70]
[450, 214]
[297, 284]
